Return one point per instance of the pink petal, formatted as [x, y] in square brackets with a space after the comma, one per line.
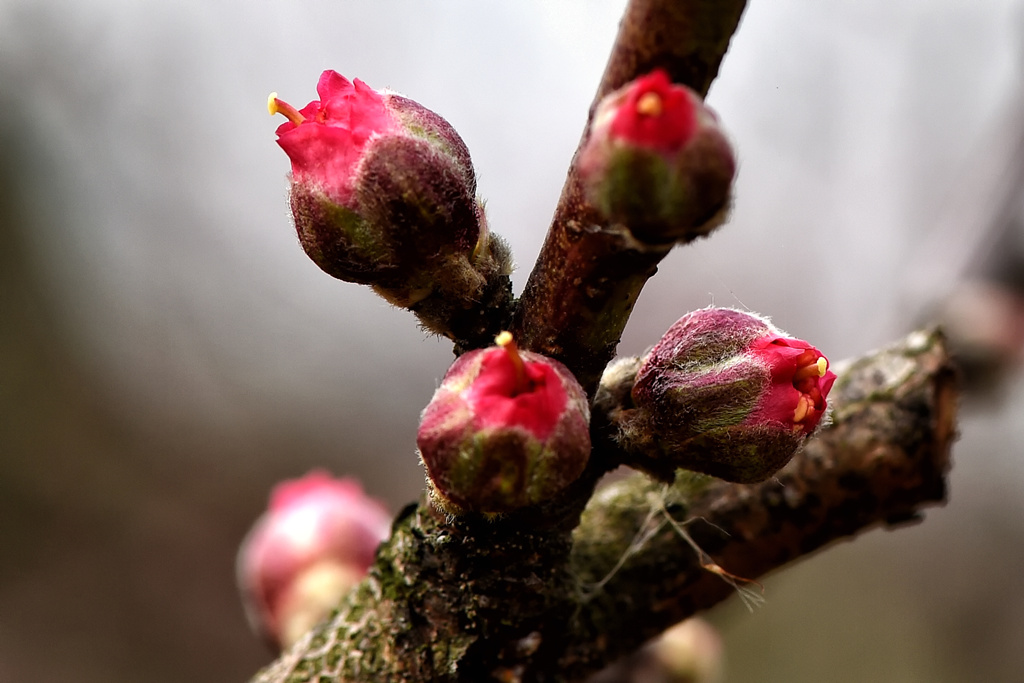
[492, 400]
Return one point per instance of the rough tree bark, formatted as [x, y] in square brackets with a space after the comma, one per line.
[558, 592]
[517, 600]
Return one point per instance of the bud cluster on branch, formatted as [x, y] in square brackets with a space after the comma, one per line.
[502, 573]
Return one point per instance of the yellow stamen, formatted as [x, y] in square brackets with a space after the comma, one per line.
[505, 341]
[822, 366]
[276, 106]
[649, 104]
[481, 244]
[812, 370]
[803, 406]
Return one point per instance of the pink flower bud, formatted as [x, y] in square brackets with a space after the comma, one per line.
[380, 185]
[726, 393]
[317, 540]
[657, 162]
[505, 429]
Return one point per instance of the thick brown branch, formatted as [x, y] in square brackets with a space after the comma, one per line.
[448, 600]
[687, 39]
[515, 600]
[589, 274]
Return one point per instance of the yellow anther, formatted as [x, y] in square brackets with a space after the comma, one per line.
[276, 106]
[822, 366]
[649, 104]
[803, 406]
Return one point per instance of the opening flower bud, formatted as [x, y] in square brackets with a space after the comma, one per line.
[506, 429]
[657, 162]
[317, 539]
[383, 193]
[726, 393]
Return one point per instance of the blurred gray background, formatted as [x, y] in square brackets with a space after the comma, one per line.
[167, 352]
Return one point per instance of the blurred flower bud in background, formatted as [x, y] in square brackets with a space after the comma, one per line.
[689, 652]
[317, 539]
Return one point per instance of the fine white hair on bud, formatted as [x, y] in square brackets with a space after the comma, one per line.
[728, 394]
